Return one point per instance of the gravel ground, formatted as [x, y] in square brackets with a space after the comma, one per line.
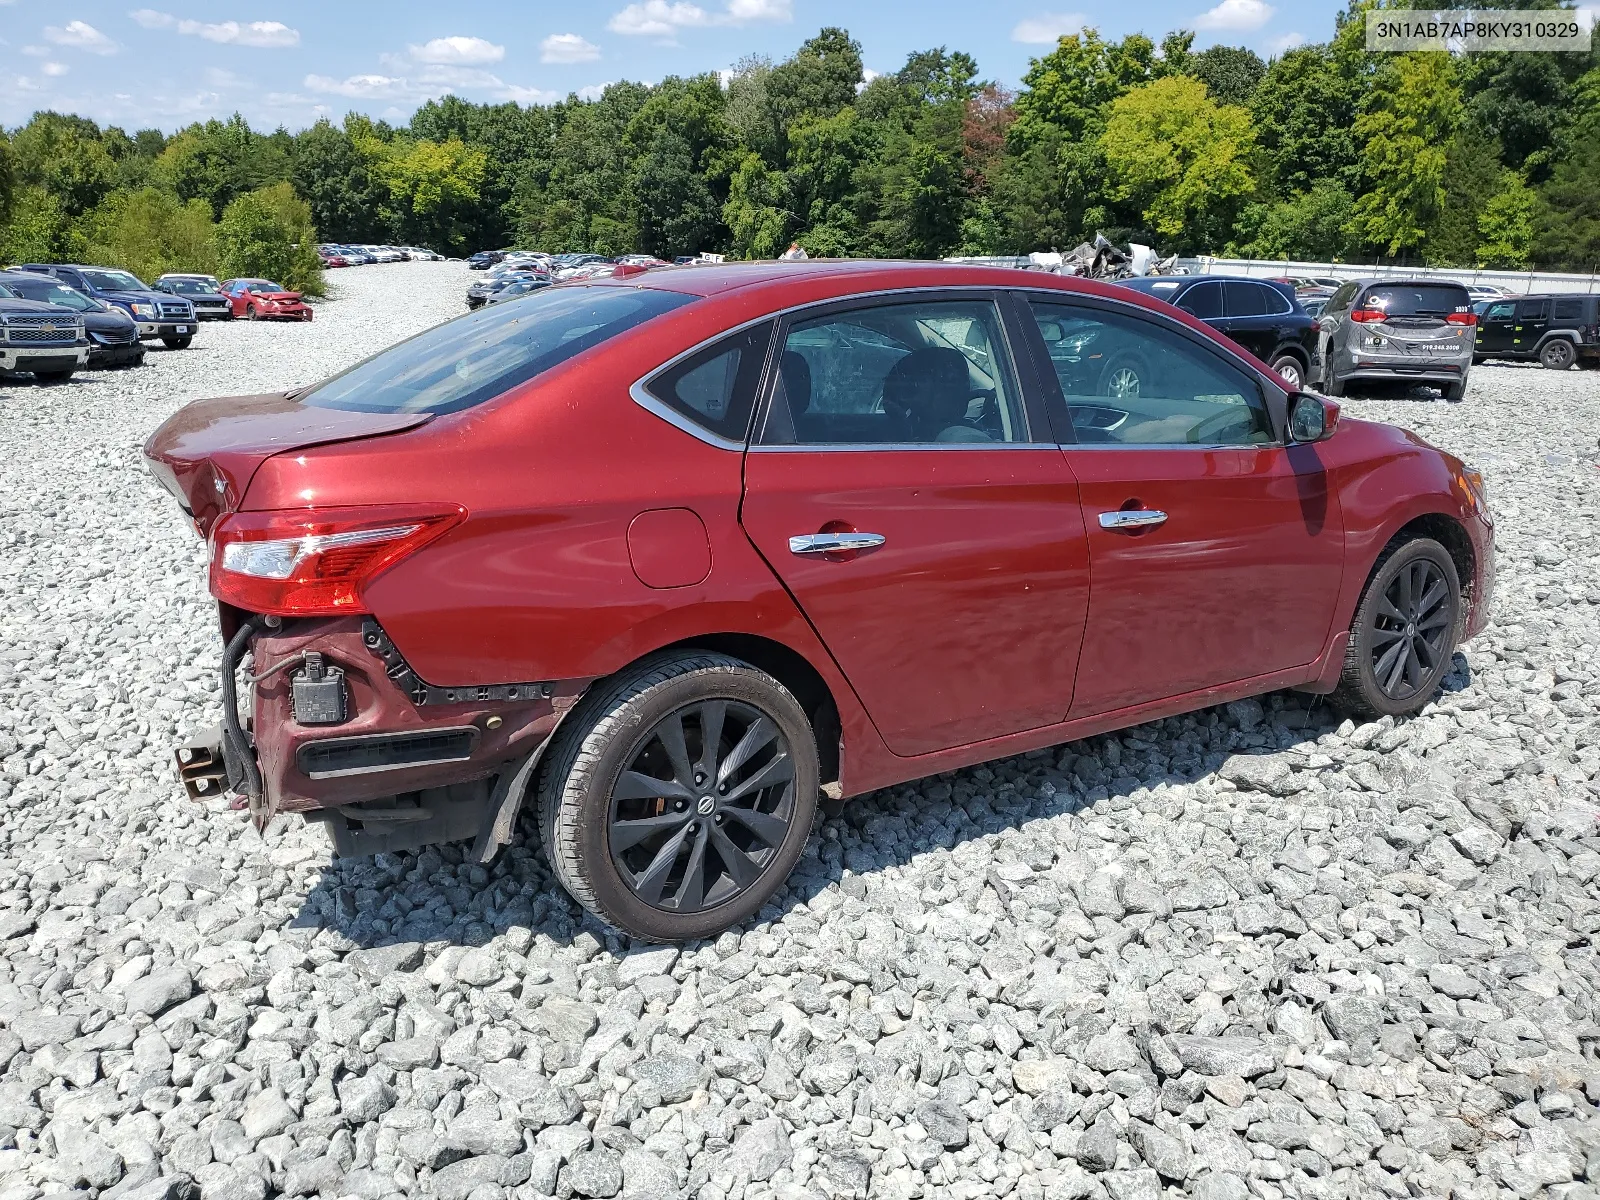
[1253, 951]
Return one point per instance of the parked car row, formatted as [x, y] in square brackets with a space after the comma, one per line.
[336, 255]
[56, 318]
[512, 273]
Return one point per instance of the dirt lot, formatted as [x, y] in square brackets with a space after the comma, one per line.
[1254, 951]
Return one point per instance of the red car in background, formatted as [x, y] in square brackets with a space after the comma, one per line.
[330, 259]
[262, 300]
[668, 550]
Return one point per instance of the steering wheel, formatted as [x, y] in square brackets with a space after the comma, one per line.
[1216, 422]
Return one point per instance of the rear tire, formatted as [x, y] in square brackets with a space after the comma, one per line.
[1454, 392]
[1288, 366]
[1557, 355]
[1403, 634]
[1124, 376]
[54, 376]
[614, 767]
[1334, 387]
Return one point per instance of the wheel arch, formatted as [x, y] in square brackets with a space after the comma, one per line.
[1295, 351]
[1449, 533]
[790, 668]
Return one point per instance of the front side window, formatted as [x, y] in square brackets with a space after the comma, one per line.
[932, 372]
[715, 387]
[1500, 312]
[479, 356]
[1130, 381]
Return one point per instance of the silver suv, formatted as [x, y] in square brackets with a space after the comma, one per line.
[1413, 330]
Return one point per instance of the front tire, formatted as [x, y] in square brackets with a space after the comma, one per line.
[253, 313]
[1404, 632]
[53, 376]
[1557, 355]
[679, 796]
[176, 343]
[1124, 377]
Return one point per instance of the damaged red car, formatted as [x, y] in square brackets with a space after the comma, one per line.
[667, 553]
[263, 300]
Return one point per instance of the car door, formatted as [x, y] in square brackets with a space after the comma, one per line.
[1215, 551]
[1533, 317]
[1495, 329]
[925, 523]
[1248, 318]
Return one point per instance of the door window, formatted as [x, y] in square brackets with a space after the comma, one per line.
[715, 387]
[1129, 381]
[1204, 300]
[1532, 310]
[930, 372]
[1244, 299]
[1500, 312]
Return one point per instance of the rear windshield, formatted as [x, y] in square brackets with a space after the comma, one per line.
[483, 354]
[1418, 299]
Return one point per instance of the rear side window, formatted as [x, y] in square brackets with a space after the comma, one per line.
[1568, 308]
[1418, 299]
[1532, 310]
[715, 388]
[1204, 300]
[483, 354]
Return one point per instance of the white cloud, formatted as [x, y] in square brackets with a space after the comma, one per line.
[567, 48]
[53, 69]
[458, 51]
[1288, 41]
[431, 81]
[217, 77]
[1047, 28]
[80, 36]
[593, 92]
[663, 18]
[357, 87]
[1241, 15]
[265, 35]
[527, 95]
[36, 51]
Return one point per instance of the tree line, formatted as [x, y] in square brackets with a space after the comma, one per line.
[1326, 152]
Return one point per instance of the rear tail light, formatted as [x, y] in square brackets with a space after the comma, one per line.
[1466, 318]
[1316, 325]
[1363, 315]
[316, 562]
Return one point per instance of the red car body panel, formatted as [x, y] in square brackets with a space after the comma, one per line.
[997, 617]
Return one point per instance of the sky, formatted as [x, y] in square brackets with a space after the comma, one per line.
[291, 62]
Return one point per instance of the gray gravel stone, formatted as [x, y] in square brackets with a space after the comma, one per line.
[159, 991]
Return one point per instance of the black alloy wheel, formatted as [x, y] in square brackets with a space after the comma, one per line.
[1411, 629]
[1404, 632]
[1557, 355]
[703, 807]
[678, 795]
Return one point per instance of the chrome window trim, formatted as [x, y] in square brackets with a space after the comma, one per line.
[642, 397]
[864, 447]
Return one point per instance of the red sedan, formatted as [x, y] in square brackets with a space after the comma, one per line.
[262, 300]
[666, 551]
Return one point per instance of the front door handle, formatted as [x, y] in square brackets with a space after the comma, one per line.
[834, 543]
[1129, 518]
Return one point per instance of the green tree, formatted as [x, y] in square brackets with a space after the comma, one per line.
[219, 160]
[64, 156]
[1409, 120]
[1304, 109]
[1472, 175]
[1310, 226]
[432, 187]
[8, 180]
[1181, 157]
[819, 80]
[151, 232]
[40, 230]
[331, 174]
[757, 212]
[1230, 73]
[1509, 224]
[1068, 88]
[268, 233]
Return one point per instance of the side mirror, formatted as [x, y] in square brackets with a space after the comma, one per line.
[1312, 418]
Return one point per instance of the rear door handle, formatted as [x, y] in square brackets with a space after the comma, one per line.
[1128, 518]
[834, 543]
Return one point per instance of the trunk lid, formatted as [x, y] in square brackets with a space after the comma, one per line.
[206, 453]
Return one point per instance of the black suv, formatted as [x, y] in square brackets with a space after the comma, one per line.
[170, 318]
[1262, 315]
[1557, 330]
